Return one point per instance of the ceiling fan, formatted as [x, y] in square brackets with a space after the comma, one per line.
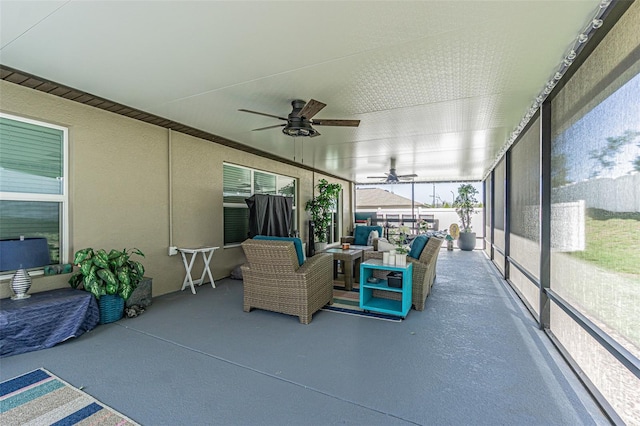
[299, 121]
[392, 176]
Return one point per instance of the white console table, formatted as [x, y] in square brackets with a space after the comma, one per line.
[207, 253]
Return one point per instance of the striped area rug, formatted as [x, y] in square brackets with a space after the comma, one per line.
[348, 302]
[41, 398]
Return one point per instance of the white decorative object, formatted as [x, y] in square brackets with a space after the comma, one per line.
[401, 259]
[385, 257]
[20, 284]
[373, 235]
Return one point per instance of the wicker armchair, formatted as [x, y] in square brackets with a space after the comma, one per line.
[424, 272]
[274, 281]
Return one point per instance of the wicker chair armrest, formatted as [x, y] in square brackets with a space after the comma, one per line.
[418, 264]
[316, 263]
[347, 239]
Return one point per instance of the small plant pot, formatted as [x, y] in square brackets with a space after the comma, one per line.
[111, 308]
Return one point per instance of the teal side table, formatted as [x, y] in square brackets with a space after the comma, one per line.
[369, 302]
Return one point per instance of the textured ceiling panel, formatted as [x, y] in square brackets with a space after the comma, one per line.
[438, 85]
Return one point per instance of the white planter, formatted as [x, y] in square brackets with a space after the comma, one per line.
[401, 259]
[467, 241]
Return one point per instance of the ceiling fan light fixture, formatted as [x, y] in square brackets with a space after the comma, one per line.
[300, 129]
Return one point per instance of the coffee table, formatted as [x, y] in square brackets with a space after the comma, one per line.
[351, 258]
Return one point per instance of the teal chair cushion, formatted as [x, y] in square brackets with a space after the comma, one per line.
[361, 234]
[297, 242]
[417, 245]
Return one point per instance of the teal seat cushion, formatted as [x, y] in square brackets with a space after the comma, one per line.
[361, 234]
[417, 245]
[297, 242]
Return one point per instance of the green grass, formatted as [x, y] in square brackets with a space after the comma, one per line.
[612, 241]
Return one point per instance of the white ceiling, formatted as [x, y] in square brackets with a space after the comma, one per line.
[439, 85]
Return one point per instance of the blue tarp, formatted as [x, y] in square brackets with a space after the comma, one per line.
[45, 319]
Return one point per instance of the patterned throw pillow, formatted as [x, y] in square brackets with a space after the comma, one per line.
[372, 236]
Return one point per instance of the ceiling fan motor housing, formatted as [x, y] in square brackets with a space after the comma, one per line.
[298, 125]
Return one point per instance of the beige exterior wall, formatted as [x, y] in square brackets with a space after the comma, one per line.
[133, 184]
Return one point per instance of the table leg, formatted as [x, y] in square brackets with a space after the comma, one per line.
[356, 269]
[188, 266]
[348, 274]
[207, 259]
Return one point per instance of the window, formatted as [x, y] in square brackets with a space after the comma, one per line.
[240, 183]
[33, 191]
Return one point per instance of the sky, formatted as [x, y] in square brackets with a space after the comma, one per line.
[424, 191]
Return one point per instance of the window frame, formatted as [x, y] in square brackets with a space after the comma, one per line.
[61, 199]
[252, 171]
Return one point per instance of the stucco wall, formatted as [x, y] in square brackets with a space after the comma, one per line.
[132, 184]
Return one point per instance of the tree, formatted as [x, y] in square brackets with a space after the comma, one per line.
[321, 207]
[607, 155]
[559, 171]
[465, 204]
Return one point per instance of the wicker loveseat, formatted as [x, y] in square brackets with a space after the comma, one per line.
[424, 272]
[273, 279]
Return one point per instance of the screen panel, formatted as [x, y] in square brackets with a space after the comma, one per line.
[595, 209]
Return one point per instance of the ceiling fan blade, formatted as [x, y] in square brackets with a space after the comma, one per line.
[407, 176]
[313, 135]
[376, 177]
[269, 127]
[310, 109]
[262, 113]
[331, 122]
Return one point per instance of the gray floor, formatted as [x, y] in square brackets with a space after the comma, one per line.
[473, 356]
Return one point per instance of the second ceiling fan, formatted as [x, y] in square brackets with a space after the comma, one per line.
[300, 120]
[392, 176]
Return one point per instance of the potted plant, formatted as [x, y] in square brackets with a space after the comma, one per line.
[398, 237]
[465, 205]
[110, 277]
[321, 208]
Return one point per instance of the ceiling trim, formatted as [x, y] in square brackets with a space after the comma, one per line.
[43, 85]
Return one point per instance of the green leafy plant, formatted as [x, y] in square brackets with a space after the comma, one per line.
[113, 273]
[321, 208]
[398, 237]
[465, 205]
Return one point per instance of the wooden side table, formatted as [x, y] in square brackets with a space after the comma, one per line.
[207, 253]
[351, 258]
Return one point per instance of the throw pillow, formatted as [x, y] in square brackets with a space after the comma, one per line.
[372, 236]
[384, 245]
[297, 242]
[417, 245]
[361, 234]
